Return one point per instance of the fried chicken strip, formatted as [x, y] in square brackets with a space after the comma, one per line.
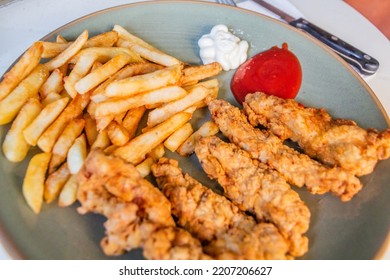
[298, 169]
[225, 230]
[173, 243]
[138, 214]
[256, 188]
[336, 142]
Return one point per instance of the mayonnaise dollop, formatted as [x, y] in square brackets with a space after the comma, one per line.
[223, 47]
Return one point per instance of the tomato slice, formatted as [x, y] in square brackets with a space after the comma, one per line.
[276, 71]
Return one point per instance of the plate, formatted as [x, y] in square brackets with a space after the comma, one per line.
[354, 230]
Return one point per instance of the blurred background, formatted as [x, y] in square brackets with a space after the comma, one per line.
[377, 11]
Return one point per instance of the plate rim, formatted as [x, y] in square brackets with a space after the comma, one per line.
[5, 239]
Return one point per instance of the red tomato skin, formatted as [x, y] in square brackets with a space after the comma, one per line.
[276, 71]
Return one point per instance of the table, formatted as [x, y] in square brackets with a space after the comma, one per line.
[25, 21]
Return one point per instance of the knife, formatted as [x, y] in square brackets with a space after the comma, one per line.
[363, 62]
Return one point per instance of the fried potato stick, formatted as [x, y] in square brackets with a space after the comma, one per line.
[162, 113]
[52, 49]
[102, 73]
[115, 106]
[64, 142]
[15, 147]
[21, 69]
[90, 129]
[209, 128]
[77, 154]
[52, 84]
[117, 133]
[193, 74]
[55, 182]
[135, 151]
[68, 194]
[257, 189]
[81, 68]
[34, 181]
[47, 116]
[69, 52]
[146, 82]
[177, 138]
[132, 120]
[149, 52]
[74, 109]
[10, 105]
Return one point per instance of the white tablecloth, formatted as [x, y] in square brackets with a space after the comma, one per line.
[25, 21]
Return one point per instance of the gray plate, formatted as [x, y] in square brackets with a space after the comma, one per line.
[353, 230]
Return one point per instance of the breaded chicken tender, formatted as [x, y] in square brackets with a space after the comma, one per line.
[225, 231]
[136, 211]
[297, 168]
[173, 243]
[256, 188]
[336, 142]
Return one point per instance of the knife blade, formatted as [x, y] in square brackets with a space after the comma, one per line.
[362, 61]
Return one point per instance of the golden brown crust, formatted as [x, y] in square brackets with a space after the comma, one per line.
[225, 230]
[256, 188]
[298, 169]
[336, 142]
[136, 211]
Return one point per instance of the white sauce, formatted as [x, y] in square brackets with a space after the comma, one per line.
[223, 47]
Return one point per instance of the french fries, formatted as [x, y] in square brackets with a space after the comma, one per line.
[65, 141]
[90, 129]
[145, 167]
[52, 49]
[49, 113]
[15, 147]
[132, 119]
[144, 49]
[113, 91]
[177, 138]
[81, 68]
[34, 181]
[135, 151]
[157, 152]
[55, 182]
[60, 39]
[117, 133]
[67, 54]
[102, 73]
[51, 97]
[52, 84]
[127, 71]
[103, 122]
[104, 54]
[47, 140]
[161, 95]
[102, 140]
[68, 193]
[77, 154]
[207, 129]
[21, 69]
[147, 82]
[10, 105]
[149, 54]
[162, 113]
[196, 73]
[106, 39]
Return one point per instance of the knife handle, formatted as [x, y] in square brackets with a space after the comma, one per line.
[363, 62]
